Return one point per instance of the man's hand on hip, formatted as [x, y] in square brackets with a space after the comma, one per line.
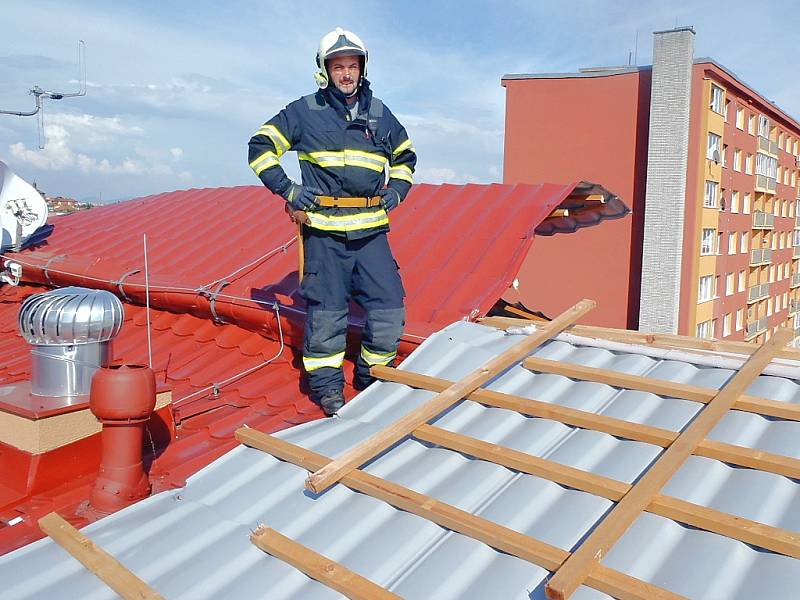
[302, 197]
[390, 198]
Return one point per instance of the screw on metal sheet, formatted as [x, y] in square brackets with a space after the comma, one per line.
[178, 497]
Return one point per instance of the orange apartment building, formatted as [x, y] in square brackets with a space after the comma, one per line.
[711, 171]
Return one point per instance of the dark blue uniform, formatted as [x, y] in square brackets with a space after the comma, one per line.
[347, 255]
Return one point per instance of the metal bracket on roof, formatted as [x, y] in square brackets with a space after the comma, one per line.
[212, 299]
[121, 282]
[47, 266]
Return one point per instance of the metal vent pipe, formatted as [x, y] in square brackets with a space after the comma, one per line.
[70, 330]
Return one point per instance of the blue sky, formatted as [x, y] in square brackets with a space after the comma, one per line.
[175, 89]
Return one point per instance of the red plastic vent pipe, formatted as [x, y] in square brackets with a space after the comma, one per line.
[122, 398]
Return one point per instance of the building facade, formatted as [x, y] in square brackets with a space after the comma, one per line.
[711, 170]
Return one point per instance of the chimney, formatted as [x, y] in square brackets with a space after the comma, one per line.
[665, 194]
[70, 330]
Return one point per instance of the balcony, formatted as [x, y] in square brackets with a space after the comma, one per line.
[766, 184]
[760, 257]
[774, 148]
[796, 252]
[762, 220]
[795, 280]
[763, 144]
[797, 221]
[755, 327]
[757, 292]
[794, 306]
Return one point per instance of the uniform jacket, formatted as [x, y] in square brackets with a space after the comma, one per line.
[341, 156]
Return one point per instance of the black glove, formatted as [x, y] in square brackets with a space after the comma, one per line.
[390, 198]
[302, 197]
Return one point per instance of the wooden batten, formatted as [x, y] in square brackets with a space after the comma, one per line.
[504, 539]
[377, 443]
[771, 538]
[104, 566]
[672, 389]
[729, 453]
[319, 567]
[596, 546]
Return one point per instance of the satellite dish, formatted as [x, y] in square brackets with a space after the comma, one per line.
[715, 156]
[23, 210]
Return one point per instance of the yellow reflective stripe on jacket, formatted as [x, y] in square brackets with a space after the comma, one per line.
[345, 158]
[312, 363]
[264, 161]
[377, 358]
[278, 139]
[367, 160]
[401, 172]
[351, 222]
[404, 146]
[323, 159]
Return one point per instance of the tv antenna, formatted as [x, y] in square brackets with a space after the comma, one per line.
[40, 95]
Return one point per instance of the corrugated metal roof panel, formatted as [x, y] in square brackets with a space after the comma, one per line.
[193, 543]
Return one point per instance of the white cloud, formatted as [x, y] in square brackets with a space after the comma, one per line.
[64, 132]
[177, 153]
[435, 175]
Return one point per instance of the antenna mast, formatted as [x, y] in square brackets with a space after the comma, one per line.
[40, 95]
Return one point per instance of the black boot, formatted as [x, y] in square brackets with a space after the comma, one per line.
[331, 401]
[361, 383]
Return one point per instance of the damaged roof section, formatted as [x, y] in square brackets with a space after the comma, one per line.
[581, 443]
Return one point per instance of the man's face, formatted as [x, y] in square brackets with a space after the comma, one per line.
[344, 72]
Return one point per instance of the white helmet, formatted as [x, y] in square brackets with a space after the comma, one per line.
[335, 43]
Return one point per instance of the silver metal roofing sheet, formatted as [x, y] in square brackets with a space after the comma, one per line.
[193, 543]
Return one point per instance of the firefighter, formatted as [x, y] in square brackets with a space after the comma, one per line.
[346, 139]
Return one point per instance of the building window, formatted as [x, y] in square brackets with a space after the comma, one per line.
[739, 319]
[763, 126]
[737, 160]
[748, 164]
[744, 241]
[710, 199]
[706, 289]
[717, 98]
[705, 329]
[735, 201]
[725, 155]
[746, 207]
[769, 306]
[726, 325]
[765, 165]
[727, 109]
[729, 284]
[740, 118]
[732, 242]
[713, 150]
[751, 125]
[742, 280]
[707, 242]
